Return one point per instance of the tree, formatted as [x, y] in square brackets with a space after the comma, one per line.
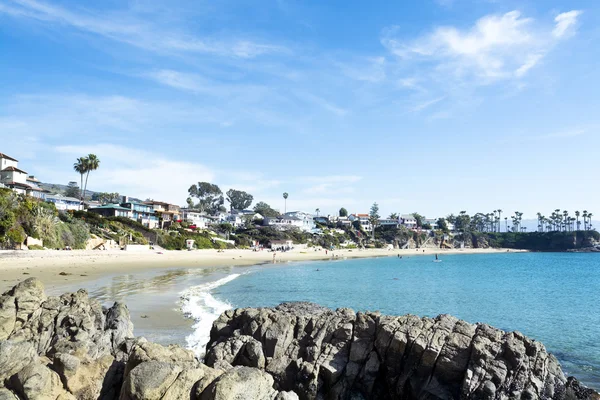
[106, 198]
[393, 216]
[80, 167]
[238, 199]
[285, 196]
[210, 197]
[374, 218]
[577, 214]
[419, 218]
[343, 212]
[92, 163]
[226, 228]
[265, 210]
[442, 225]
[317, 211]
[499, 219]
[72, 190]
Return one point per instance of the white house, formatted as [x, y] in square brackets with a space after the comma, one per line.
[195, 217]
[284, 222]
[408, 220]
[7, 161]
[64, 203]
[308, 221]
[363, 219]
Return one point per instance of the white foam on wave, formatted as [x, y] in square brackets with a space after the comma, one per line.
[200, 305]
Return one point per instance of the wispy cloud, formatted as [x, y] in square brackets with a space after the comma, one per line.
[566, 23]
[426, 104]
[137, 32]
[497, 46]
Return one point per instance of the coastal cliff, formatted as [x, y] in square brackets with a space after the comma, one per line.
[69, 347]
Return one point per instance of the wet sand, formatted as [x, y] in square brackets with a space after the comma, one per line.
[56, 268]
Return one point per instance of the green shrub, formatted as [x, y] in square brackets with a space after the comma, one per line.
[35, 247]
[15, 236]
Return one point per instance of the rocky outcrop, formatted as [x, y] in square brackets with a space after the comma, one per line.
[69, 347]
[320, 353]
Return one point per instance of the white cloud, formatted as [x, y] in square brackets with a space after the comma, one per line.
[531, 62]
[142, 174]
[427, 104]
[496, 47]
[565, 23]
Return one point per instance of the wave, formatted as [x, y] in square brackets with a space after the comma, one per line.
[198, 304]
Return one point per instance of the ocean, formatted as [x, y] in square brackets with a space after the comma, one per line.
[551, 297]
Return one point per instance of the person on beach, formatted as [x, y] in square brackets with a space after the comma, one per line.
[274, 254]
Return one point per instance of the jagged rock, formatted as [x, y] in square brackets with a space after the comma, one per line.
[38, 382]
[321, 353]
[244, 383]
[84, 378]
[14, 356]
[242, 350]
[70, 347]
[6, 394]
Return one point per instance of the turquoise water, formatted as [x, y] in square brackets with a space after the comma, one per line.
[551, 297]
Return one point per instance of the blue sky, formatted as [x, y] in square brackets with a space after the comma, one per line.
[434, 106]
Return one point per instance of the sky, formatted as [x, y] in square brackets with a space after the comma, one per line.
[434, 106]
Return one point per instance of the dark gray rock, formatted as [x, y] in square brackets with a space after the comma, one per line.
[321, 353]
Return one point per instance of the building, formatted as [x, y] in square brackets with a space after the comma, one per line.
[64, 203]
[363, 219]
[389, 222]
[283, 222]
[343, 221]
[16, 179]
[167, 213]
[308, 221]
[195, 217]
[111, 210]
[408, 220]
[140, 212]
[285, 244]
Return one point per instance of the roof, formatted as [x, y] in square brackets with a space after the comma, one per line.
[110, 207]
[14, 169]
[158, 203]
[2, 155]
[65, 198]
[32, 178]
[18, 184]
[407, 216]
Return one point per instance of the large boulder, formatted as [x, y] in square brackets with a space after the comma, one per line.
[244, 383]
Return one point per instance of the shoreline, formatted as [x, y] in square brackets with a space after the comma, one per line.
[56, 267]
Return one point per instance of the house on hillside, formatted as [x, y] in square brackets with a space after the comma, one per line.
[308, 221]
[195, 217]
[167, 213]
[16, 179]
[363, 219]
[64, 203]
[111, 210]
[389, 222]
[283, 222]
[140, 212]
[408, 220]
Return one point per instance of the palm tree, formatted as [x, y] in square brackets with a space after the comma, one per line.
[577, 218]
[81, 167]
[92, 164]
[506, 223]
[285, 196]
[393, 216]
[317, 211]
[585, 215]
[499, 220]
[590, 221]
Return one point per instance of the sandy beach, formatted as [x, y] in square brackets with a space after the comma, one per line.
[56, 267]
